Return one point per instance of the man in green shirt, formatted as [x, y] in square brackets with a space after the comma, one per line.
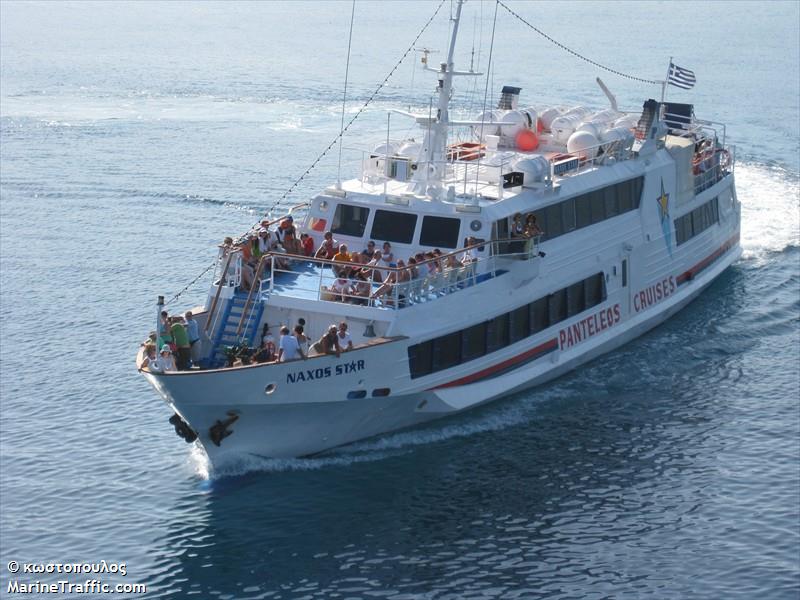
[181, 339]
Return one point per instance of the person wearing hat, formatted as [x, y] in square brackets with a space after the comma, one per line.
[165, 362]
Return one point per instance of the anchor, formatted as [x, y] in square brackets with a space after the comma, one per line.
[182, 428]
[219, 430]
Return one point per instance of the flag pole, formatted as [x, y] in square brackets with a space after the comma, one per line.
[664, 83]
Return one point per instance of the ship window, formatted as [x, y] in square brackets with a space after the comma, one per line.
[598, 206]
[520, 323]
[447, 351]
[541, 221]
[569, 214]
[576, 301]
[697, 220]
[583, 211]
[715, 209]
[420, 359]
[636, 191]
[350, 220]
[540, 315]
[610, 200]
[594, 286]
[624, 197]
[625, 273]
[557, 303]
[439, 232]
[497, 336]
[555, 226]
[473, 342]
[391, 226]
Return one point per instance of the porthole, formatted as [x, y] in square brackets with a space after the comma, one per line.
[475, 225]
[380, 392]
[271, 387]
[323, 205]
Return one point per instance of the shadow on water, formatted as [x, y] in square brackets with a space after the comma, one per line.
[603, 476]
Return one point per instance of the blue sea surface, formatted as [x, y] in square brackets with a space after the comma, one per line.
[135, 136]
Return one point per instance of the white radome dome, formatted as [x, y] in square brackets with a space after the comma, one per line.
[582, 143]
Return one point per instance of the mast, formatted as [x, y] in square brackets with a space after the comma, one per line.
[439, 142]
[435, 145]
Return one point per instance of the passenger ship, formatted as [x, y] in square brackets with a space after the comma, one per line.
[637, 216]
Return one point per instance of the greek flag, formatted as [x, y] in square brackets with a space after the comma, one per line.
[680, 77]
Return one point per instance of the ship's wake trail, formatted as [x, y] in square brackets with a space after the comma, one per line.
[770, 198]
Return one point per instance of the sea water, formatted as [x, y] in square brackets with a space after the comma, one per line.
[135, 136]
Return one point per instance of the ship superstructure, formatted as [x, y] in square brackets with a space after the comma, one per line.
[560, 233]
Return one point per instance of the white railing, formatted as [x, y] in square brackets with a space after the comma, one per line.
[398, 288]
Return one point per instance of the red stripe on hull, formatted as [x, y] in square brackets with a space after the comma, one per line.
[548, 346]
[706, 262]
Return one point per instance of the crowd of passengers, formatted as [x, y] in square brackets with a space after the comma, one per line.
[178, 336]
[361, 276]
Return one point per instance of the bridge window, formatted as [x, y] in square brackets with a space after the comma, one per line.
[350, 220]
[391, 226]
[439, 232]
[555, 224]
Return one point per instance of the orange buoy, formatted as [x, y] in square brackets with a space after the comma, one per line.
[527, 140]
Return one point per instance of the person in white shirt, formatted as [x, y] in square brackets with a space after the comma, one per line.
[288, 347]
[345, 339]
[165, 362]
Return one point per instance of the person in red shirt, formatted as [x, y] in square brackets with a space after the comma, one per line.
[308, 244]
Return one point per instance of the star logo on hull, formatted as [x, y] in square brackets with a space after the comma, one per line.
[663, 209]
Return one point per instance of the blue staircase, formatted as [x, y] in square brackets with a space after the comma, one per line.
[231, 315]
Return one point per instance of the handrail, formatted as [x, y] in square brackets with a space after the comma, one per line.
[219, 289]
[437, 282]
[256, 278]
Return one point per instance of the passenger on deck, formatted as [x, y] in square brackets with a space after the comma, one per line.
[291, 244]
[181, 339]
[361, 287]
[329, 343]
[286, 226]
[371, 272]
[386, 287]
[149, 355]
[341, 256]
[165, 362]
[412, 267]
[340, 288]
[517, 226]
[308, 244]
[369, 251]
[288, 347]
[386, 255]
[267, 342]
[328, 247]
[345, 339]
[468, 258]
[264, 354]
[302, 339]
[193, 331]
[531, 226]
[164, 335]
[432, 264]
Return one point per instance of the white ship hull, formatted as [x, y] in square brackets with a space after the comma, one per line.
[627, 218]
[308, 410]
